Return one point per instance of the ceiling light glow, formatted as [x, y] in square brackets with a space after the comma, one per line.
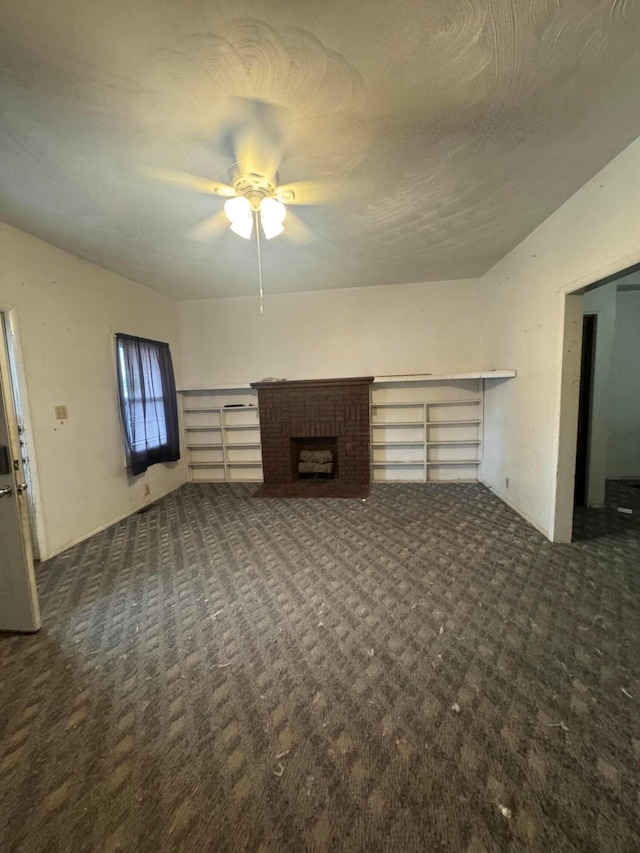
[238, 211]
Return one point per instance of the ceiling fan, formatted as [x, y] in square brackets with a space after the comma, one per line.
[252, 196]
[255, 201]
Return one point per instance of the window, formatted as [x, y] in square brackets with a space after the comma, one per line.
[148, 407]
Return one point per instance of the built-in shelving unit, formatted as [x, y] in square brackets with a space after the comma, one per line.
[428, 428]
[222, 434]
[424, 428]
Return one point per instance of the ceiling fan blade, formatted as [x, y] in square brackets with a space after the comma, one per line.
[322, 192]
[210, 227]
[296, 230]
[257, 138]
[257, 153]
[191, 182]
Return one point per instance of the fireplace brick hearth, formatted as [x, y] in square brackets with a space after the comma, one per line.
[309, 413]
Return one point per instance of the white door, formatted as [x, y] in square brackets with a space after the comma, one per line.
[19, 609]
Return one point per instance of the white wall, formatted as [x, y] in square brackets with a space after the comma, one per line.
[602, 303]
[593, 235]
[414, 328]
[624, 413]
[67, 312]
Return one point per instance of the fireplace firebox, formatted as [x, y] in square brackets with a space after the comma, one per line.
[314, 458]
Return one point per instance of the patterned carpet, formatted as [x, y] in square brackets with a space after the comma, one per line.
[422, 671]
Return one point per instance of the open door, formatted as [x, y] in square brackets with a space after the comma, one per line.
[19, 610]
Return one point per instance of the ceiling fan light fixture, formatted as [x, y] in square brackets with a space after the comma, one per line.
[272, 214]
[238, 211]
[243, 227]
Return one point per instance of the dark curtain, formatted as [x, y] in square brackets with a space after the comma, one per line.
[148, 405]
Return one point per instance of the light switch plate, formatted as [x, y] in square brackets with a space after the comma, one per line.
[61, 413]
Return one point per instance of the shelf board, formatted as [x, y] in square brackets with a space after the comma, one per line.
[230, 444]
[202, 429]
[203, 409]
[435, 377]
[397, 405]
[453, 403]
[398, 424]
[457, 481]
[455, 441]
[407, 462]
[407, 443]
[255, 464]
[205, 464]
[427, 403]
[450, 423]
[241, 426]
[211, 389]
[204, 446]
[452, 462]
[398, 464]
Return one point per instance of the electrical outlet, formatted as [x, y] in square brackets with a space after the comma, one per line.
[506, 482]
[61, 413]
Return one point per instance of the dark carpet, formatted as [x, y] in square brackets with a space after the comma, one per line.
[422, 671]
[313, 488]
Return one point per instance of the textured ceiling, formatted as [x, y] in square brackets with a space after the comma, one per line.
[457, 126]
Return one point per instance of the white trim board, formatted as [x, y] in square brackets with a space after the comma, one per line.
[377, 380]
[441, 377]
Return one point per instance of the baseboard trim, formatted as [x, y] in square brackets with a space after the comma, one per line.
[102, 527]
[517, 509]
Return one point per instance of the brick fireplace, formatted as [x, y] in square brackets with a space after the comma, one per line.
[327, 419]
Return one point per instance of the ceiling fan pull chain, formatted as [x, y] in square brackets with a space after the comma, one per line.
[255, 213]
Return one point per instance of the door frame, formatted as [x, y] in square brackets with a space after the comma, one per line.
[17, 411]
[585, 408]
[567, 421]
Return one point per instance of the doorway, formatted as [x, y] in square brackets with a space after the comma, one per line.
[587, 362]
[10, 340]
[600, 394]
[19, 609]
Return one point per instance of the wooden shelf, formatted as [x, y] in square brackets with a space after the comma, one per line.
[418, 398]
[442, 377]
[419, 405]
[453, 403]
[399, 463]
[406, 396]
[204, 446]
[454, 441]
[397, 405]
[406, 443]
[206, 411]
[243, 444]
[213, 389]
[241, 426]
[453, 462]
[451, 423]
[205, 464]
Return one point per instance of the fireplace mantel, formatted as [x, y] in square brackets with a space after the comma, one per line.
[304, 383]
